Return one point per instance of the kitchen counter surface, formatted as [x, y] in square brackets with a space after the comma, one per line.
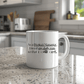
[75, 35]
[13, 33]
[13, 69]
[19, 33]
[79, 37]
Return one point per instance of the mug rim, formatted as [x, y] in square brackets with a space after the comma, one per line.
[38, 31]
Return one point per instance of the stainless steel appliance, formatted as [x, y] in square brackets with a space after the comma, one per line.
[4, 23]
[22, 24]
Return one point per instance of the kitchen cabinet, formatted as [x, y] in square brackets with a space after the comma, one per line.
[4, 41]
[13, 2]
[77, 47]
[3, 2]
[19, 41]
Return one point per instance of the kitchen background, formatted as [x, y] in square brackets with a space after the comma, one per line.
[77, 47]
[28, 12]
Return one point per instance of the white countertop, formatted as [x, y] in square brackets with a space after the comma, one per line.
[20, 33]
[12, 33]
[24, 34]
[13, 69]
[75, 36]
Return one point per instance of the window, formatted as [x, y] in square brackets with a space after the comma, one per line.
[79, 8]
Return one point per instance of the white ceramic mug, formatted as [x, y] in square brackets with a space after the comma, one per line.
[43, 48]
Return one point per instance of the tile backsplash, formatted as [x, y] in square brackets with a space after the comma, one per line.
[28, 12]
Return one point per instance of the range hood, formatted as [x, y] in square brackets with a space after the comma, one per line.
[21, 3]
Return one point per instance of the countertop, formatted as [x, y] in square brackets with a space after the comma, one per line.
[78, 36]
[19, 33]
[75, 35]
[13, 69]
[13, 33]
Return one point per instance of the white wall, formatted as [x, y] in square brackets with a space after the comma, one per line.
[28, 11]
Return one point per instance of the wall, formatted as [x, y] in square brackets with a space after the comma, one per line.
[28, 11]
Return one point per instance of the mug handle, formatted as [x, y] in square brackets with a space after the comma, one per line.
[67, 47]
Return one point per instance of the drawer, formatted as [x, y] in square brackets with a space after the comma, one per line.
[77, 45]
[18, 41]
[77, 51]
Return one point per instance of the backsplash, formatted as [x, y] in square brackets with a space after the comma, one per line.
[28, 11]
[72, 28]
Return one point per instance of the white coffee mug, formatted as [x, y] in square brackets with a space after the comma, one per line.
[43, 48]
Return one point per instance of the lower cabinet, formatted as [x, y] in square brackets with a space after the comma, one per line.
[77, 47]
[4, 41]
[19, 41]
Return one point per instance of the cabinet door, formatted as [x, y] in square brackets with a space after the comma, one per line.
[13, 1]
[77, 47]
[3, 2]
[18, 41]
[76, 51]
[4, 42]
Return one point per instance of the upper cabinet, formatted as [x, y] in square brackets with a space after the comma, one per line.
[3, 2]
[11, 3]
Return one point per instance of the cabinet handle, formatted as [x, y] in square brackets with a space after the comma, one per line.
[4, 1]
[61, 44]
[16, 25]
